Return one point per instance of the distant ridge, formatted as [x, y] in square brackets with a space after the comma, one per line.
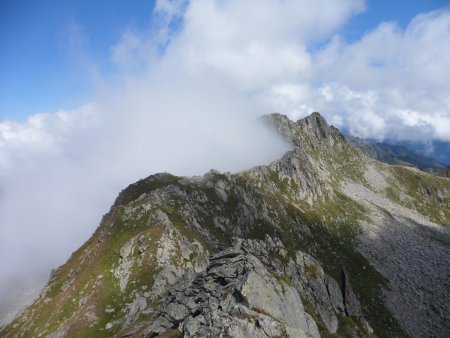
[395, 154]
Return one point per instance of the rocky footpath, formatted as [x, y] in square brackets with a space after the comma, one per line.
[257, 289]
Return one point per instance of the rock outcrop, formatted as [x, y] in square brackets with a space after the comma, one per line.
[256, 289]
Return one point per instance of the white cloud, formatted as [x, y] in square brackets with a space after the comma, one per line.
[252, 44]
[391, 83]
[395, 76]
[40, 136]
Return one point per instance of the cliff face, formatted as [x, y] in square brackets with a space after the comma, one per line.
[323, 241]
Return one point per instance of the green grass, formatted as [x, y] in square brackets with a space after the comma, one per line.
[426, 193]
[311, 270]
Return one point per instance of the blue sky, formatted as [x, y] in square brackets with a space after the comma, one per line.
[399, 11]
[47, 46]
[40, 64]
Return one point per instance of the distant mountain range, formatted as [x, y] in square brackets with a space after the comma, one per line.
[438, 150]
[407, 154]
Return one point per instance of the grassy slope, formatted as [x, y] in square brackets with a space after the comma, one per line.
[428, 194]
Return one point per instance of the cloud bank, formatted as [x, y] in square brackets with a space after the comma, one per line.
[185, 97]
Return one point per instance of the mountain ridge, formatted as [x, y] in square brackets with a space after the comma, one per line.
[324, 198]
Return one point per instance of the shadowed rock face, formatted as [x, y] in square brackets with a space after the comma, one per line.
[166, 259]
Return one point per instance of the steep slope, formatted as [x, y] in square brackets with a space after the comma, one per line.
[164, 240]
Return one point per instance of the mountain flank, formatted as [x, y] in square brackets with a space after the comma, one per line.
[325, 241]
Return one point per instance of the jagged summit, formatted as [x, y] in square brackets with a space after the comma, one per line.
[315, 125]
[164, 261]
[312, 129]
[314, 118]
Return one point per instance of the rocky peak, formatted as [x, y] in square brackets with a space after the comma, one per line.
[312, 130]
[314, 118]
[316, 128]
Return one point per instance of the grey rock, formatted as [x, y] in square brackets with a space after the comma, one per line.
[240, 296]
[133, 309]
